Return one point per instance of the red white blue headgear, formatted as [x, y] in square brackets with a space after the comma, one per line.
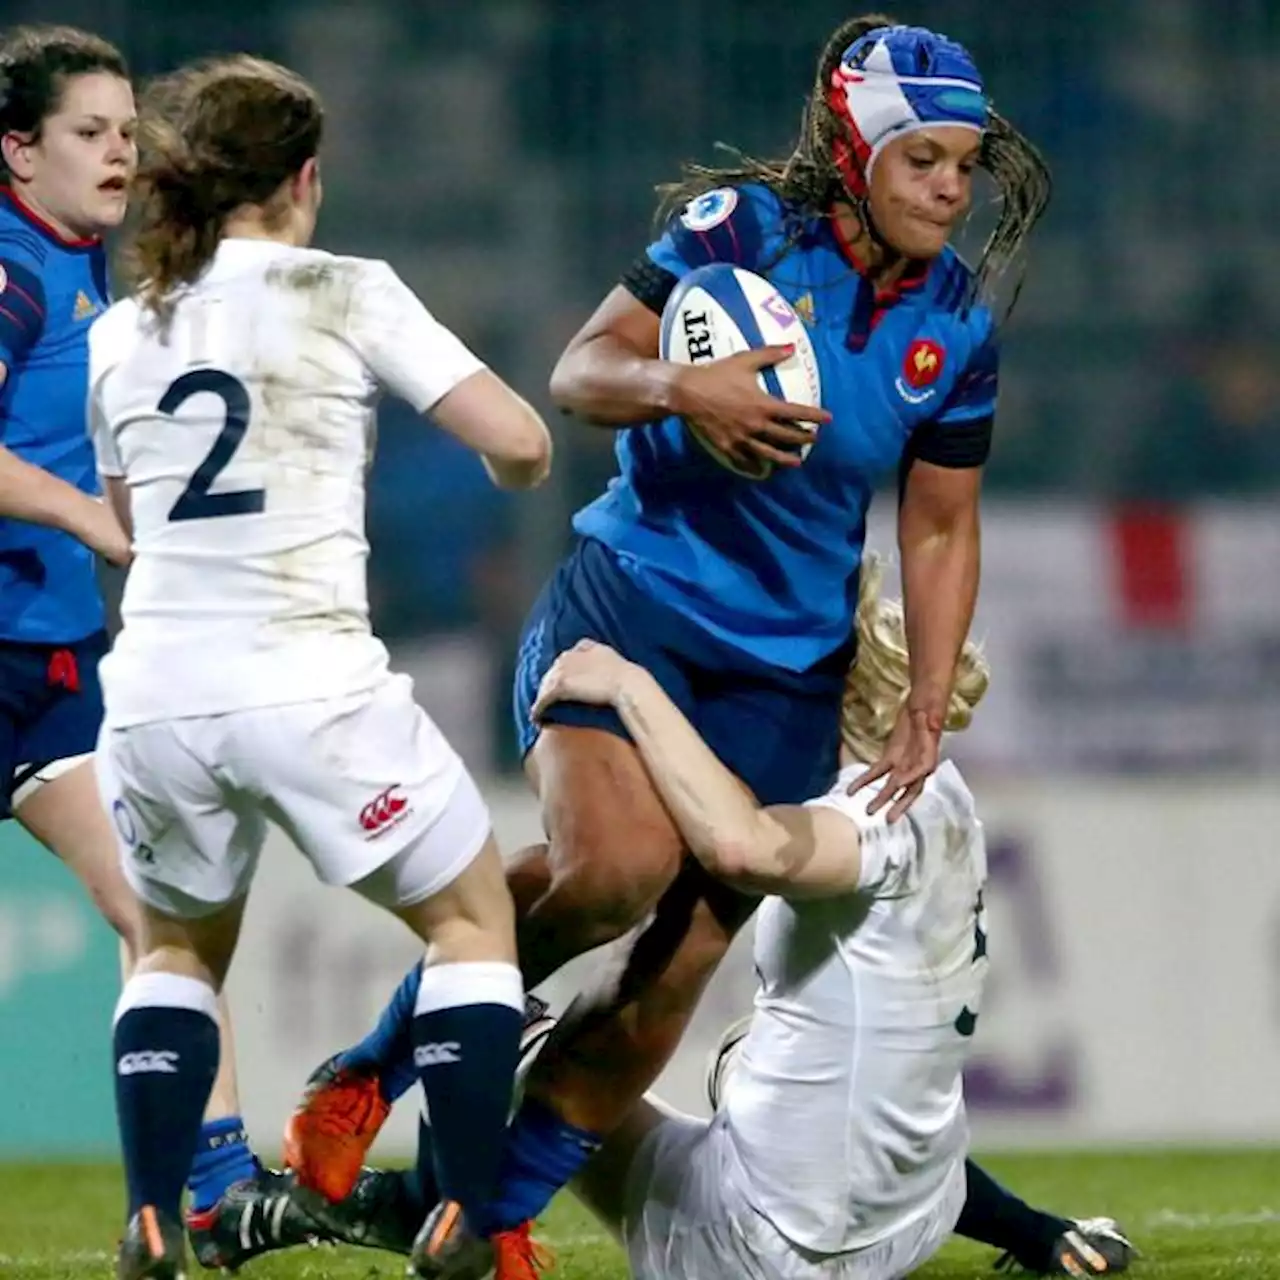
[893, 81]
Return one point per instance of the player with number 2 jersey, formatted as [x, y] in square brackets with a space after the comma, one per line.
[232, 410]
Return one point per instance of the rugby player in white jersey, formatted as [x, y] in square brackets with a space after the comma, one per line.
[231, 404]
[839, 1141]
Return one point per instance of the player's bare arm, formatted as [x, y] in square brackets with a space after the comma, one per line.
[939, 541]
[788, 850]
[503, 428]
[611, 376]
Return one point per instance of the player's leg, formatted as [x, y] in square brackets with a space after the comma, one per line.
[56, 799]
[188, 857]
[604, 1183]
[667, 1187]
[62, 810]
[466, 1025]
[612, 1043]
[611, 853]
[377, 800]
[1040, 1242]
[626, 1029]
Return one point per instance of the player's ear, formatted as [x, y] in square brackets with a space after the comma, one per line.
[16, 149]
[307, 188]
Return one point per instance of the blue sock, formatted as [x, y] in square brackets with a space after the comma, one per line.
[389, 1046]
[223, 1158]
[466, 1037]
[543, 1154]
[166, 1056]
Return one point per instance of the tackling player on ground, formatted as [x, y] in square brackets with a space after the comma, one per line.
[232, 409]
[839, 1138]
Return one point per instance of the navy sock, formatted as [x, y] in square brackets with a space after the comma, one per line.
[223, 1158]
[995, 1216]
[166, 1056]
[425, 1173]
[543, 1154]
[466, 1037]
[389, 1046]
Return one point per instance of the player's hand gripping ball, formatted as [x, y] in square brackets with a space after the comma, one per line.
[759, 405]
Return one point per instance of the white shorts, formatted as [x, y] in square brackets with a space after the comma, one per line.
[688, 1214]
[365, 785]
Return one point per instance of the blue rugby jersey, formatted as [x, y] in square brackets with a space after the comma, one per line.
[771, 567]
[51, 288]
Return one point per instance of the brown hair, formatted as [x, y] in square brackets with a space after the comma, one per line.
[809, 180]
[213, 137]
[35, 64]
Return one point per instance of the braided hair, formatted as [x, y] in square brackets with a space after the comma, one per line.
[810, 182]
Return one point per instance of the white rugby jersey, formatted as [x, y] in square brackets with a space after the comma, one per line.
[845, 1105]
[244, 434]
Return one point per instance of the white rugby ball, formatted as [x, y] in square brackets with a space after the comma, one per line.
[719, 310]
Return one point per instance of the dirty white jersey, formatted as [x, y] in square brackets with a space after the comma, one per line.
[845, 1107]
[244, 431]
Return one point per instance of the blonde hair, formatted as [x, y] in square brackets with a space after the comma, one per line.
[878, 681]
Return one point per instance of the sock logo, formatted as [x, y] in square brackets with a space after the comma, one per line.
[142, 1061]
[435, 1055]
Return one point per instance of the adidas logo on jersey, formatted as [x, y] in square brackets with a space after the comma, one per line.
[436, 1055]
[85, 306]
[144, 1061]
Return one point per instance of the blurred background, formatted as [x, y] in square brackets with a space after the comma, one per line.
[502, 155]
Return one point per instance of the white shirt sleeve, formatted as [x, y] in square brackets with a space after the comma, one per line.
[404, 346]
[890, 867]
[101, 361]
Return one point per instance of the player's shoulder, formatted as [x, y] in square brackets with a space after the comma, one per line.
[952, 792]
[946, 796]
[22, 244]
[744, 224]
[115, 331]
[746, 200]
[308, 269]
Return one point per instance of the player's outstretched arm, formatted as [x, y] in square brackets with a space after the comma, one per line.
[787, 850]
[939, 542]
[504, 429]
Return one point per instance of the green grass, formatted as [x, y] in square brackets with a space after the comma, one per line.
[1196, 1216]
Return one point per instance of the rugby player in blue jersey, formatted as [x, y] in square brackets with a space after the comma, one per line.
[739, 595]
[67, 123]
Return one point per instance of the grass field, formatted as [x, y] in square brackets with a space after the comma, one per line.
[1197, 1216]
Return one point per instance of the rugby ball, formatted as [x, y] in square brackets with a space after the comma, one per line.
[719, 310]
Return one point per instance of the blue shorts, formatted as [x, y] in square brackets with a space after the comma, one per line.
[50, 707]
[778, 731]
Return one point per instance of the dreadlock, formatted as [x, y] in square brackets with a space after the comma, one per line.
[810, 183]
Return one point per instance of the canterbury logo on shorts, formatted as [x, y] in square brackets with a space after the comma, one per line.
[383, 811]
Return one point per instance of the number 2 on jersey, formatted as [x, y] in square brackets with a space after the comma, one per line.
[195, 502]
